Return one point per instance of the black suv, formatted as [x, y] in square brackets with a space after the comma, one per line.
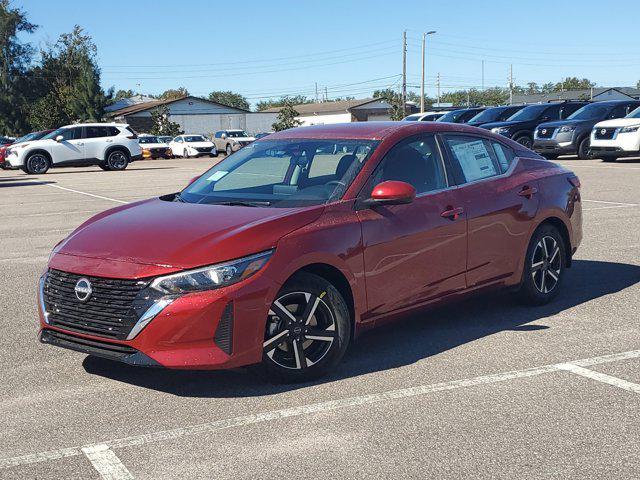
[572, 136]
[494, 114]
[461, 116]
[521, 125]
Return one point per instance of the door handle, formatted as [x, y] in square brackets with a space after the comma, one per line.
[452, 213]
[528, 192]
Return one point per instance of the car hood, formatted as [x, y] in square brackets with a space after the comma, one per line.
[565, 123]
[618, 122]
[491, 125]
[154, 145]
[199, 144]
[183, 235]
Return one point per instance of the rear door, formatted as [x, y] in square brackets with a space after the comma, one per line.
[71, 149]
[97, 140]
[413, 252]
[500, 199]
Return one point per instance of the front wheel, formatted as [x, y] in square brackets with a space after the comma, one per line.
[524, 140]
[609, 159]
[307, 332]
[583, 149]
[117, 160]
[36, 164]
[544, 266]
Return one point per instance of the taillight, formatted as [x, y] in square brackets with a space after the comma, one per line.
[132, 137]
[575, 181]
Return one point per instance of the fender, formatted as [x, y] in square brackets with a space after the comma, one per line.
[109, 149]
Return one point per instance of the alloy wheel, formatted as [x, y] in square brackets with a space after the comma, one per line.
[546, 264]
[117, 160]
[38, 163]
[300, 330]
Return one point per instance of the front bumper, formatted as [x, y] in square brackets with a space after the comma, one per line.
[207, 330]
[552, 147]
[598, 151]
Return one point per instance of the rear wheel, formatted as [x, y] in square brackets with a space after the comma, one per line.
[583, 149]
[117, 160]
[228, 149]
[104, 167]
[36, 164]
[185, 153]
[307, 330]
[544, 266]
[524, 140]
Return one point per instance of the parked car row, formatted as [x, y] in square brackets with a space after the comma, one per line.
[605, 129]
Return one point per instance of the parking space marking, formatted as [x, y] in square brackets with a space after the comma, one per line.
[84, 193]
[607, 204]
[600, 377]
[106, 462]
[607, 167]
[309, 409]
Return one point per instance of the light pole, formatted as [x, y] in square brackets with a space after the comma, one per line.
[424, 44]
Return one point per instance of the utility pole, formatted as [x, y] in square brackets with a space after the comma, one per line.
[404, 72]
[483, 75]
[326, 94]
[511, 83]
[424, 47]
[316, 92]
[438, 87]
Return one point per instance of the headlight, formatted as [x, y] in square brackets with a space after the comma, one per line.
[630, 129]
[500, 130]
[212, 277]
[567, 129]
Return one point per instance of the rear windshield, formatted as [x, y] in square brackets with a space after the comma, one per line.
[148, 140]
[282, 173]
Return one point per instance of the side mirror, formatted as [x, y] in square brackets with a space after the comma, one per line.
[223, 136]
[59, 138]
[391, 192]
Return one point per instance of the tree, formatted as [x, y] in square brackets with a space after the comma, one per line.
[174, 93]
[573, 83]
[15, 58]
[281, 102]
[286, 118]
[230, 99]
[121, 94]
[394, 99]
[51, 110]
[162, 124]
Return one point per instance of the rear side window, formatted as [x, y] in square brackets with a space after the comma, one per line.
[474, 156]
[96, 132]
[504, 155]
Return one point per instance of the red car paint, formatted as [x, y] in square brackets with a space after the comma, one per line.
[443, 245]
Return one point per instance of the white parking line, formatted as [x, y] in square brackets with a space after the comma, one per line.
[106, 462]
[165, 435]
[609, 205]
[84, 193]
[600, 377]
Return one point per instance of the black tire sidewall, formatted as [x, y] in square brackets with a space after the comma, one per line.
[27, 169]
[583, 149]
[111, 167]
[528, 292]
[524, 136]
[307, 282]
[228, 150]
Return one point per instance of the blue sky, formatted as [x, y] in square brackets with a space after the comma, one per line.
[272, 47]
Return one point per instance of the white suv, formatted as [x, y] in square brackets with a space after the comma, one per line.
[617, 138]
[111, 146]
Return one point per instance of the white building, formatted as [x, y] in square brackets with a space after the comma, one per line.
[195, 115]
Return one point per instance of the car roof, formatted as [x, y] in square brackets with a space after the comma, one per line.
[367, 130]
[97, 124]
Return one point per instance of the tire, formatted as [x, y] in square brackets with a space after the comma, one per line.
[544, 268]
[609, 159]
[583, 149]
[228, 149]
[307, 304]
[104, 167]
[185, 153]
[36, 164]
[117, 160]
[524, 140]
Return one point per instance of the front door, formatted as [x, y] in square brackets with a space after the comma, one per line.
[414, 252]
[70, 149]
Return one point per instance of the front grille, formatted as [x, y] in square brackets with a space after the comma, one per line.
[546, 132]
[204, 149]
[159, 150]
[107, 313]
[605, 133]
[224, 332]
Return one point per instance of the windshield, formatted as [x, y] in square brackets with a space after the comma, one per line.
[528, 113]
[451, 116]
[195, 138]
[282, 173]
[634, 114]
[148, 139]
[592, 111]
[412, 118]
[30, 136]
[488, 115]
[236, 133]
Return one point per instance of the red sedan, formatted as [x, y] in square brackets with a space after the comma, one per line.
[286, 251]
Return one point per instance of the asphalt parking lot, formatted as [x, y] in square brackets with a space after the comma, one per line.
[483, 389]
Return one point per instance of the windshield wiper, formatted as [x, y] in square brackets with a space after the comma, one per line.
[244, 203]
[178, 198]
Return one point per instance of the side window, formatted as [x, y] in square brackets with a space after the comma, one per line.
[72, 133]
[112, 131]
[218, 134]
[179, 139]
[569, 109]
[474, 156]
[96, 132]
[504, 155]
[551, 113]
[416, 162]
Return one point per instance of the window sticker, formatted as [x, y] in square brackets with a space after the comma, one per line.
[217, 176]
[474, 160]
